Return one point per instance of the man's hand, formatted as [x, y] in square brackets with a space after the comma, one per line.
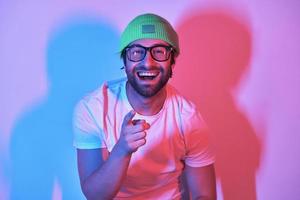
[133, 134]
[102, 178]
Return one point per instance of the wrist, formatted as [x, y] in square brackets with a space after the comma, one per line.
[121, 151]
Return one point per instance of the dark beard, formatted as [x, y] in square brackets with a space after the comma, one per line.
[149, 91]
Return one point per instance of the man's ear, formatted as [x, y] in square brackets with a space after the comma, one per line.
[173, 61]
[173, 66]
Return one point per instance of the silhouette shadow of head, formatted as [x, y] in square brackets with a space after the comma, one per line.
[215, 53]
[81, 53]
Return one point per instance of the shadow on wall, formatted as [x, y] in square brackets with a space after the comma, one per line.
[4, 168]
[81, 54]
[216, 51]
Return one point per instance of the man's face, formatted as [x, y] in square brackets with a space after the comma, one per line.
[148, 76]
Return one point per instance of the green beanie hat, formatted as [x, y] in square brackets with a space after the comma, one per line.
[149, 26]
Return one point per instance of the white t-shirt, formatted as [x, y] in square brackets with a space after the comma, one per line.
[177, 136]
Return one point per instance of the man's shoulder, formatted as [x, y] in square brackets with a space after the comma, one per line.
[183, 103]
[116, 84]
[106, 88]
[186, 110]
[108, 91]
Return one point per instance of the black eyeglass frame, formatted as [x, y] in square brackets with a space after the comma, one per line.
[169, 49]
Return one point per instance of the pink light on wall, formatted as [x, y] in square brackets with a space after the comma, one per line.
[216, 51]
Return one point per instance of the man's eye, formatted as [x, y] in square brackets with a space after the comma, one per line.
[159, 51]
[137, 52]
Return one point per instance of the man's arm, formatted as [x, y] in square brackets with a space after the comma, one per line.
[201, 182]
[101, 179]
[101, 174]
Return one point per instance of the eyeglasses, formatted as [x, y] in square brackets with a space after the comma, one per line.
[160, 53]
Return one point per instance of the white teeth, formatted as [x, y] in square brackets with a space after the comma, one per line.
[147, 74]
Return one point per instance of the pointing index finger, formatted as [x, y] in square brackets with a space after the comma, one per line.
[128, 117]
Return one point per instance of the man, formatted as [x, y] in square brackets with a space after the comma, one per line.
[136, 136]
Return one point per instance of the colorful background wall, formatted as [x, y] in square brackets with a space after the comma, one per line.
[240, 64]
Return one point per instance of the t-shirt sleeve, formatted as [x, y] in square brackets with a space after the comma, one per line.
[86, 128]
[198, 142]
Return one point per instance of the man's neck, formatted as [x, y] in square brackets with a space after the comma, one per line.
[146, 105]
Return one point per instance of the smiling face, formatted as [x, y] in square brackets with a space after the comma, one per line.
[148, 76]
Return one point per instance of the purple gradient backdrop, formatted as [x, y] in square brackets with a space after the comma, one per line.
[50, 55]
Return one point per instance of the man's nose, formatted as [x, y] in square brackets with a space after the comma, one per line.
[148, 60]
